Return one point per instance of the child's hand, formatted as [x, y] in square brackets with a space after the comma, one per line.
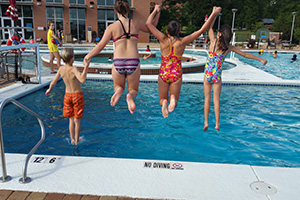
[157, 8]
[86, 61]
[264, 61]
[217, 10]
[48, 91]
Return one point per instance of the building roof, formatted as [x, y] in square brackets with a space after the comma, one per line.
[267, 20]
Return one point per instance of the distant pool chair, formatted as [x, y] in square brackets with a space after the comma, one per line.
[286, 44]
[271, 44]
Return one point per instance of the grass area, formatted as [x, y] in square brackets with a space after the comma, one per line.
[242, 36]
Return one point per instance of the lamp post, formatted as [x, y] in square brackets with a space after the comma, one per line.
[294, 14]
[234, 10]
[220, 14]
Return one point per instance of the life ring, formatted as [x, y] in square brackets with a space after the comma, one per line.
[15, 40]
[55, 41]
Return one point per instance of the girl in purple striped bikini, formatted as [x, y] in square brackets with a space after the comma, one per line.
[126, 62]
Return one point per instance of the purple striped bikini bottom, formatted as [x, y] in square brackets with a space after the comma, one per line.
[126, 66]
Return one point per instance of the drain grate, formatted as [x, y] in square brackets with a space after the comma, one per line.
[261, 187]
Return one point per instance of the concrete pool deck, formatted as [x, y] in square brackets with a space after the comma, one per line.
[154, 179]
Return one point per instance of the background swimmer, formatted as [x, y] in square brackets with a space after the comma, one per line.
[274, 54]
[294, 58]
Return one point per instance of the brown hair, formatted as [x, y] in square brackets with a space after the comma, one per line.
[225, 38]
[122, 7]
[49, 23]
[67, 54]
[173, 28]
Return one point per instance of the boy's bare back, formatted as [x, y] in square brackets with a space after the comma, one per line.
[68, 74]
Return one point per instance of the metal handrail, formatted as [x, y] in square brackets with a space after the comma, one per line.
[26, 45]
[24, 179]
[7, 64]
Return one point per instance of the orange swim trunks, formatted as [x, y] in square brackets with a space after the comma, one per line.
[73, 105]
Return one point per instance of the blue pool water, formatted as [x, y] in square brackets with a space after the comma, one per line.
[152, 60]
[157, 60]
[259, 126]
[281, 66]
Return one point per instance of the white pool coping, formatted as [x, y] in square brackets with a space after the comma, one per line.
[130, 177]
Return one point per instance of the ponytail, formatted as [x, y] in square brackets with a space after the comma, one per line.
[173, 28]
[122, 7]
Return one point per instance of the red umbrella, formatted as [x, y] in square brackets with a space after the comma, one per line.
[12, 11]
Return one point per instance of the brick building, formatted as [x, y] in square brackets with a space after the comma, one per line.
[77, 18]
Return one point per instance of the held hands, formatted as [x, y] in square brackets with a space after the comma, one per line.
[86, 61]
[157, 8]
[216, 10]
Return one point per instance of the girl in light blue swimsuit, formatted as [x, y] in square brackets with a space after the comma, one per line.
[219, 48]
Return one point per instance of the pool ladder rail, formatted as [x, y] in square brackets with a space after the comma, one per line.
[24, 179]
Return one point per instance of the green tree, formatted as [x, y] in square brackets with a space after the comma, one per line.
[258, 25]
[283, 22]
[192, 12]
[252, 13]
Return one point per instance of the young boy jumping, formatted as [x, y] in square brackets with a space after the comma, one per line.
[73, 100]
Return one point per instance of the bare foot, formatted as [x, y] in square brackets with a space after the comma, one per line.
[217, 127]
[77, 142]
[115, 98]
[172, 103]
[205, 127]
[164, 108]
[130, 103]
[72, 141]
